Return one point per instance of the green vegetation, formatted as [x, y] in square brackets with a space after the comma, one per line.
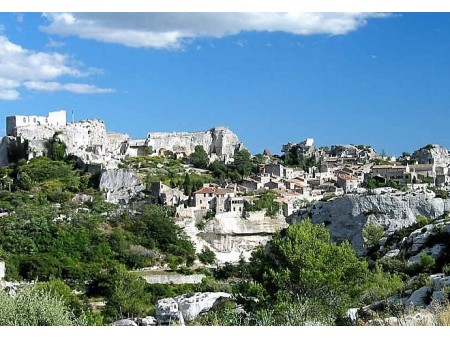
[34, 306]
[56, 149]
[265, 201]
[207, 256]
[372, 234]
[300, 277]
[199, 158]
[372, 183]
[293, 158]
[321, 272]
[440, 193]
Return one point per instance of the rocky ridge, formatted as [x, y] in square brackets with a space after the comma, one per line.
[347, 216]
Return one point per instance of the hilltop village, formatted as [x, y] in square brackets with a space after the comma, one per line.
[163, 229]
[303, 173]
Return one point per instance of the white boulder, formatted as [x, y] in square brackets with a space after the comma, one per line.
[192, 306]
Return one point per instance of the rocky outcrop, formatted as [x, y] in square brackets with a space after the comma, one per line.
[124, 322]
[120, 185]
[88, 140]
[148, 321]
[433, 153]
[167, 312]
[219, 142]
[228, 235]
[200, 302]
[347, 216]
[419, 298]
[187, 307]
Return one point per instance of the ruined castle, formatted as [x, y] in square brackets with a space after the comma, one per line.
[94, 146]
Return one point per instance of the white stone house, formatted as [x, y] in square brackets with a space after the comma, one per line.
[396, 173]
[348, 183]
[219, 200]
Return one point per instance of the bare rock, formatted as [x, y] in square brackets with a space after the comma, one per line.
[124, 322]
[192, 306]
[120, 185]
[148, 321]
[167, 312]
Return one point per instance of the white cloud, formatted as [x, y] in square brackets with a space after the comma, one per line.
[55, 44]
[19, 66]
[80, 88]
[9, 94]
[172, 30]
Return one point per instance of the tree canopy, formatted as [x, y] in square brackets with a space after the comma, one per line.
[302, 263]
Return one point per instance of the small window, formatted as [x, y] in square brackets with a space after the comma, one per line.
[24, 119]
[34, 120]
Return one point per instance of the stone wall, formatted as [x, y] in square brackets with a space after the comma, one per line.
[173, 279]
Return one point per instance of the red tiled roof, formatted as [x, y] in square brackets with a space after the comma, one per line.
[211, 190]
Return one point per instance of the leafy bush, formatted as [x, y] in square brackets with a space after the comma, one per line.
[372, 234]
[199, 158]
[207, 256]
[36, 307]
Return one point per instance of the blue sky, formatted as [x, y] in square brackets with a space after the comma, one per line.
[373, 79]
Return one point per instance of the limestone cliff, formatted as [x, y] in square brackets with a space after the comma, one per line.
[219, 142]
[229, 235]
[120, 185]
[346, 216]
[433, 153]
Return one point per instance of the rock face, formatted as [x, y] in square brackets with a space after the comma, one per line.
[420, 296]
[89, 141]
[430, 154]
[229, 235]
[346, 216]
[219, 142]
[120, 185]
[86, 139]
[187, 307]
[192, 306]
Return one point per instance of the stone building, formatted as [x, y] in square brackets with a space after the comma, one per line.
[396, 173]
[219, 200]
[55, 119]
[348, 183]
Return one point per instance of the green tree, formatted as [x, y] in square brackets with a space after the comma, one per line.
[302, 263]
[207, 256]
[199, 158]
[126, 296]
[219, 170]
[56, 149]
[243, 162]
[372, 234]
